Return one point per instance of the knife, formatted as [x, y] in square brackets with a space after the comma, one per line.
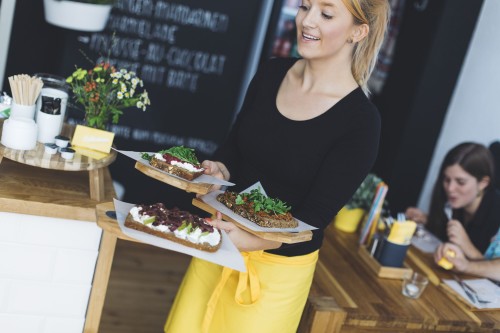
[470, 293]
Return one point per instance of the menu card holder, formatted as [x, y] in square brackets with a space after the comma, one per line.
[383, 271]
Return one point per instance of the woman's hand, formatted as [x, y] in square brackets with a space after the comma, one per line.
[243, 240]
[454, 255]
[458, 236]
[217, 170]
[416, 215]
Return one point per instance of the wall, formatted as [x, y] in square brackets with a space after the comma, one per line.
[430, 50]
[474, 112]
[46, 271]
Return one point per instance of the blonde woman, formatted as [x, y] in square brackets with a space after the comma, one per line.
[309, 134]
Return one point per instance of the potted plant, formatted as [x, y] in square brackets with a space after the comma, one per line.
[83, 15]
[349, 217]
[105, 91]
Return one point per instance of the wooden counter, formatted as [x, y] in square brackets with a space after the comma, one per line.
[346, 297]
[70, 195]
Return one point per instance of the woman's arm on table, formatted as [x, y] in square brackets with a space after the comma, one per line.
[489, 269]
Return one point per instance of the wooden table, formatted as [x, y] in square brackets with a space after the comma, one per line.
[38, 158]
[347, 296]
[36, 184]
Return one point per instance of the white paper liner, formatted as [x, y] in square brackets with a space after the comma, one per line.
[228, 255]
[205, 179]
[211, 199]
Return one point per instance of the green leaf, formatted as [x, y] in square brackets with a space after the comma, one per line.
[146, 156]
[182, 153]
[364, 194]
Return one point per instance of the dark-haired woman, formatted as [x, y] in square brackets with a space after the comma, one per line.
[465, 183]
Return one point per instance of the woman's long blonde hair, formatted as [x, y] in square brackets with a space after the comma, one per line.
[376, 14]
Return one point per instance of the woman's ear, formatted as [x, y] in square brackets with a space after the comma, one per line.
[360, 32]
[483, 183]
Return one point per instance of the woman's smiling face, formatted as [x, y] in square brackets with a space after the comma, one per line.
[323, 28]
[462, 188]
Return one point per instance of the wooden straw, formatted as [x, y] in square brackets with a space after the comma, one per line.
[25, 89]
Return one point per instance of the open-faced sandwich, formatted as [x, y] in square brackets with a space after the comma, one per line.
[179, 161]
[260, 209]
[175, 225]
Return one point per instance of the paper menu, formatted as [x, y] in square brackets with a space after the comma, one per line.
[137, 156]
[486, 290]
[228, 255]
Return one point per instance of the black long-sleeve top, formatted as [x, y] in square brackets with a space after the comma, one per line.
[483, 226]
[314, 165]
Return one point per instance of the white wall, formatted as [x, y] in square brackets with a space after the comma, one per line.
[6, 16]
[474, 110]
[46, 270]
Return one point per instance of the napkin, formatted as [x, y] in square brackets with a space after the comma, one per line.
[402, 232]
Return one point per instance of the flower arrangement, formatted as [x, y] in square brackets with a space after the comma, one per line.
[363, 196]
[105, 91]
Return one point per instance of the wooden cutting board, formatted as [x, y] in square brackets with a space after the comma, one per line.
[284, 237]
[186, 185]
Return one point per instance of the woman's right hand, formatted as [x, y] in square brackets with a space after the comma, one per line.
[217, 170]
[416, 215]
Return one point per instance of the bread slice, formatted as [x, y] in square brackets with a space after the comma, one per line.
[174, 170]
[162, 227]
[260, 218]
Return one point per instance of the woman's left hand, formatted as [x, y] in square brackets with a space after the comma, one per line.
[243, 240]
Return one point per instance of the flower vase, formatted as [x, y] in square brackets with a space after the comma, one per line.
[348, 220]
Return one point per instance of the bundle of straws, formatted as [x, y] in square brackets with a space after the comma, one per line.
[25, 89]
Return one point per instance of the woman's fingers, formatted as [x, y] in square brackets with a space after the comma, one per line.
[220, 224]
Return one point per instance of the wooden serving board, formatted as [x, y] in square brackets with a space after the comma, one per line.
[383, 271]
[284, 237]
[186, 185]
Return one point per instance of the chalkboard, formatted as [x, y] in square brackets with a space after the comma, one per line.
[192, 56]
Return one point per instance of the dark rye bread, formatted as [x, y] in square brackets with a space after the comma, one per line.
[130, 223]
[174, 170]
[262, 219]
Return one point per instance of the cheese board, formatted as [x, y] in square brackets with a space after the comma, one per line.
[186, 185]
[284, 237]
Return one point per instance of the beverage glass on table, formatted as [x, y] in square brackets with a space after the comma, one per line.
[414, 285]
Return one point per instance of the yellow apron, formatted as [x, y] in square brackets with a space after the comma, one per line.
[269, 297]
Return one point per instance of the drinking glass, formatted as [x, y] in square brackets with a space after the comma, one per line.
[414, 285]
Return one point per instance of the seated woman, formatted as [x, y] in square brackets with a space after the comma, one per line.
[465, 183]
[487, 266]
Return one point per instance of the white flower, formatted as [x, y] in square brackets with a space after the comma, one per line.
[123, 71]
[139, 104]
[115, 81]
[119, 95]
[132, 91]
[123, 87]
[127, 76]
